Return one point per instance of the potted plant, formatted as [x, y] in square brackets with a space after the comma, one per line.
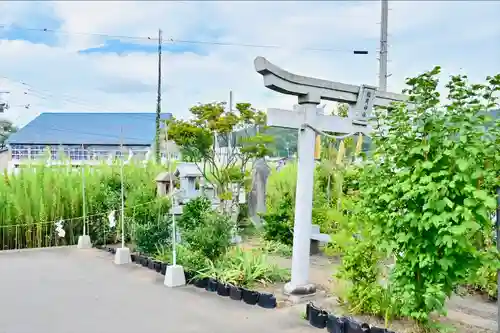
[164, 266]
[144, 261]
[201, 282]
[318, 317]
[151, 263]
[223, 289]
[212, 285]
[157, 266]
[189, 276]
[235, 292]
[355, 326]
[335, 324]
[249, 296]
[267, 301]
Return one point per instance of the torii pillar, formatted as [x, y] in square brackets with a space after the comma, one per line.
[309, 119]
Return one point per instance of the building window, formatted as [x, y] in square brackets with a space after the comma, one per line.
[37, 152]
[20, 152]
[78, 154]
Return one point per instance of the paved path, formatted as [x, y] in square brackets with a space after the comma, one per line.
[81, 291]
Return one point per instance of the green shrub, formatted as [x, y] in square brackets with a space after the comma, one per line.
[156, 232]
[186, 256]
[193, 212]
[212, 236]
[278, 224]
[484, 279]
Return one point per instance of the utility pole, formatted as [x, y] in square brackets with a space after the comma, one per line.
[158, 101]
[382, 78]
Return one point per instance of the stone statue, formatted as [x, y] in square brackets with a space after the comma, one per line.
[257, 196]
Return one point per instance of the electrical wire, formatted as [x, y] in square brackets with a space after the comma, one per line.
[182, 41]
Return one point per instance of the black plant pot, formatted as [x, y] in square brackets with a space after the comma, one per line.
[201, 283]
[318, 317]
[353, 326]
[223, 289]
[157, 265]
[164, 266]
[139, 260]
[99, 247]
[249, 296]
[144, 262]
[113, 250]
[267, 301]
[133, 257]
[151, 263]
[235, 293]
[188, 275]
[335, 324]
[308, 310]
[212, 285]
[378, 330]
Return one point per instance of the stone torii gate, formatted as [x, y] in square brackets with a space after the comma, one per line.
[309, 119]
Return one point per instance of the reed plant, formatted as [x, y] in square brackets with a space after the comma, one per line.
[38, 195]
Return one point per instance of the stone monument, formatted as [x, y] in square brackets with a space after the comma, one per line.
[310, 120]
[257, 195]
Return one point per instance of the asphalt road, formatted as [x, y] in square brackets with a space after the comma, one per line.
[67, 290]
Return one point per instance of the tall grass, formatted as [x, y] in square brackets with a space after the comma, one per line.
[32, 200]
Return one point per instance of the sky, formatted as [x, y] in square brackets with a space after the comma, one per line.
[77, 69]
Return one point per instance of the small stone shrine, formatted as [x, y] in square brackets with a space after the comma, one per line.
[163, 183]
[188, 175]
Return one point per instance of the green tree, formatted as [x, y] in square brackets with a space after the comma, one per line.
[431, 188]
[209, 122]
[6, 129]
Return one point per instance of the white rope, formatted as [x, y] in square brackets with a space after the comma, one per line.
[71, 218]
[338, 137]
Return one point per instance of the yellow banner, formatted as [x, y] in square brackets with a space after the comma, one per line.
[317, 148]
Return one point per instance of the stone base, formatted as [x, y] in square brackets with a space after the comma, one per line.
[84, 242]
[299, 290]
[301, 294]
[174, 277]
[122, 256]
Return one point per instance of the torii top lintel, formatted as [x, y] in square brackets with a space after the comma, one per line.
[312, 90]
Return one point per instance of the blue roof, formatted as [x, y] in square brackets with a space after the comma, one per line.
[89, 129]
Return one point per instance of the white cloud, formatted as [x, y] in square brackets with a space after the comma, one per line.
[457, 35]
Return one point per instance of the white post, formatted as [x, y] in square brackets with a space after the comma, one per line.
[174, 276]
[303, 206]
[84, 208]
[123, 203]
[84, 240]
[122, 255]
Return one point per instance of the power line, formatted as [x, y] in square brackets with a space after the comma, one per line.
[181, 41]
